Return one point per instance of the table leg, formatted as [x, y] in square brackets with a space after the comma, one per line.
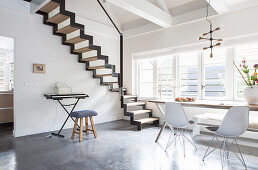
[164, 124]
[161, 130]
[197, 128]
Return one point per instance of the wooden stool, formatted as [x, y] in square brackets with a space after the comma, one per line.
[80, 115]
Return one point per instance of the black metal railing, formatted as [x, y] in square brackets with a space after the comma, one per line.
[121, 44]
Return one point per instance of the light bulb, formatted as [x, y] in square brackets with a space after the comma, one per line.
[220, 28]
[204, 34]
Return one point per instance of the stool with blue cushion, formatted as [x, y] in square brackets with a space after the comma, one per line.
[80, 115]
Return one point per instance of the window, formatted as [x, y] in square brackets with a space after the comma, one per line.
[250, 54]
[165, 78]
[214, 78]
[2, 68]
[12, 71]
[188, 64]
[145, 68]
[195, 74]
[6, 63]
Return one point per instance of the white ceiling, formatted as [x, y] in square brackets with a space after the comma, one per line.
[123, 15]
[178, 7]
[126, 17]
[234, 2]
[234, 5]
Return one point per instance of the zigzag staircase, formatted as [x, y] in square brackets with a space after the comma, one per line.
[72, 33]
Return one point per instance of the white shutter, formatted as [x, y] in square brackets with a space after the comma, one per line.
[188, 74]
[214, 73]
[165, 78]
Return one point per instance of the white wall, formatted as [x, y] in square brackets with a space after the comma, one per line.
[34, 43]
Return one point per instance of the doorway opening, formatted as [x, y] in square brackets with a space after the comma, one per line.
[6, 83]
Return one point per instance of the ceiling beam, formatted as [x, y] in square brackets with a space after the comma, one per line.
[163, 5]
[218, 6]
[146, 10]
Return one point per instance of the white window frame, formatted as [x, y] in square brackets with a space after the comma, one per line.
[228, 74]
[178, 90]
[231, 76]
[137, 78]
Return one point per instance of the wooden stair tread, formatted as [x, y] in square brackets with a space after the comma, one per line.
[75, 40]
[96, 67]
[90, 59]
[82, 50]
[58, 18]
[50, 6]
[147, 120]
[139, 111]
[111, 82]
[129, 96]
[67, 29]
[135, 104]
[103, 75]
[117, 90]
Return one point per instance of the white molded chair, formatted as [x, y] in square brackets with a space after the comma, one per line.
[176, 119]
[234, 124]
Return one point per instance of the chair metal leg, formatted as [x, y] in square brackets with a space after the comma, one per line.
[168, 143]
[192, 142]
[243, 161]
[181, 142]
[225, 147]
[183, 137]
[208, 148]
[206, 153]
[179, 136]
[174, 140]
[222, 154]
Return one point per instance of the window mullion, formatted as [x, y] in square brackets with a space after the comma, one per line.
[175, 67]
[155, 77]
[138, 78]
[229, 74]
[201, 88]
[178, 83]
[135, 73]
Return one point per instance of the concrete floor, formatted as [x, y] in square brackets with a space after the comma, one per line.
[118, 146]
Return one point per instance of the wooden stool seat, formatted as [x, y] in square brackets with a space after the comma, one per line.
[80, 115]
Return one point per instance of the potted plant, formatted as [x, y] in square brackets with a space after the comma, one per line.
[251, 91]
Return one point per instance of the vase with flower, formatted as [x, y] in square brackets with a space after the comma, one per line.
[251, 91]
